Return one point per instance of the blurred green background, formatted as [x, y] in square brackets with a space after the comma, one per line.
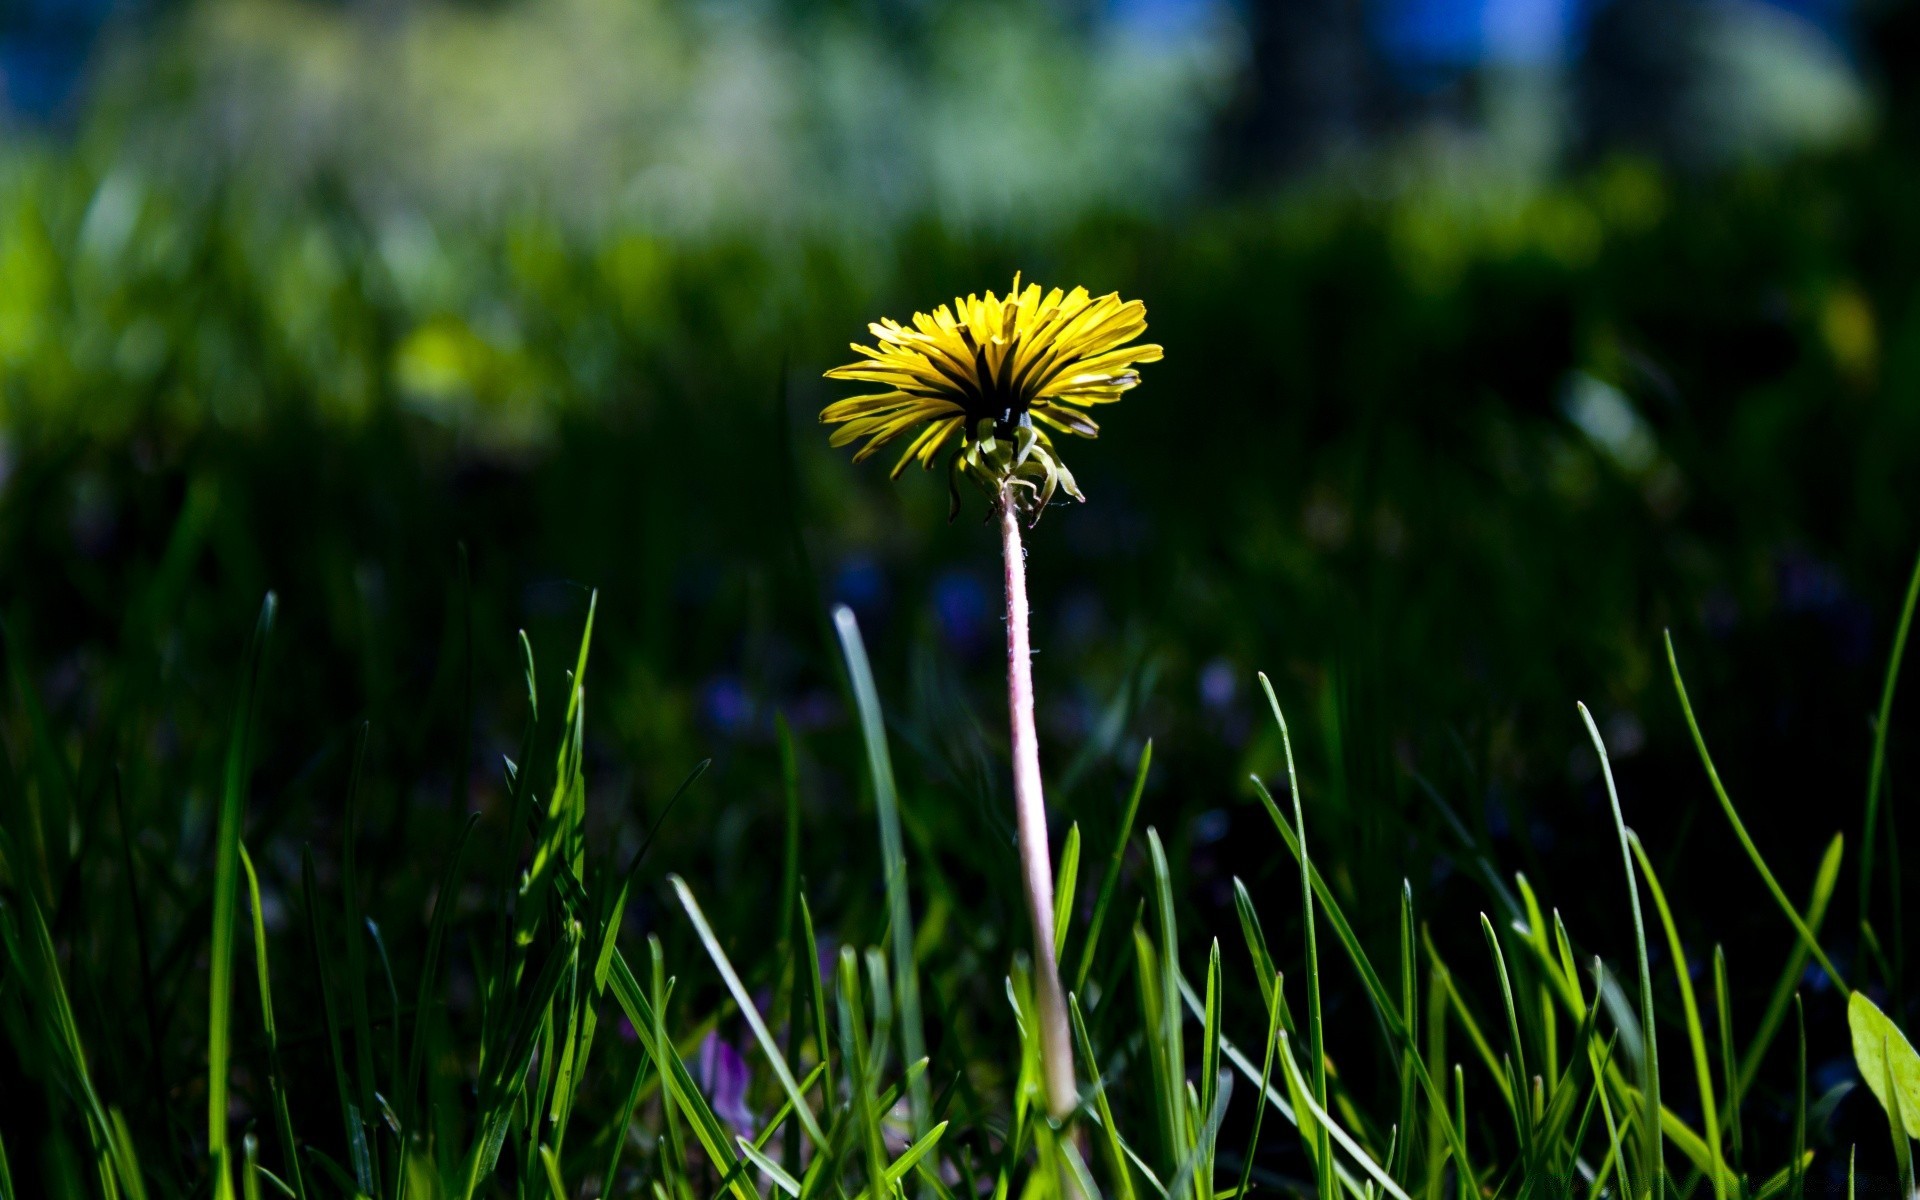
[1501, 336]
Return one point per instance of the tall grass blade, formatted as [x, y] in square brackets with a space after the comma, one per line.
[1316, 1038]
[1110, 881]
[1784, 988]
[1123, 1177]
[679, 1082]
[913, 1045]
[276, 1073]
[1729, 1068]
[1259, 1105]
[749, 1011]
[1690, 1009]
[226, 894]
[1332, 1129]
[1655, 1182]
[1740, 828]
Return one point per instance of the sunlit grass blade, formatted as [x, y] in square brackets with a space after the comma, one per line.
[1740, 828]
[1729, 1068]
[1690, 1009]
[1523, 1119]
[1316, 1039]
[1067, 878]
[276, 1074]
[1399, 1033]
[1332, 1130]
[749, 1011]
[1110, 881]
[775, 1173]
[1162, 1010]
[1266, 1082]
[1785, 986]
[1655, 1182]
[897, 1170]
[906, 974]
[36, 967]
[226, 894]
[1122, 1175]
[679, 1083]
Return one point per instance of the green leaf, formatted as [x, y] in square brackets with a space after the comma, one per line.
[1885, 1056]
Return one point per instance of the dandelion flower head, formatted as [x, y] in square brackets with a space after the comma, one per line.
[1003, 373]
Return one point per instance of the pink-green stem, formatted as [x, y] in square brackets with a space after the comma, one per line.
[1030, 807]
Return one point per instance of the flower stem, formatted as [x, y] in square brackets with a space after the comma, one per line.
[1030, 807]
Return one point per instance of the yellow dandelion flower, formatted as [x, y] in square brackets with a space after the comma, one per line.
[1000, 372]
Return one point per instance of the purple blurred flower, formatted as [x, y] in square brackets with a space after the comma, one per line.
[723, 1077]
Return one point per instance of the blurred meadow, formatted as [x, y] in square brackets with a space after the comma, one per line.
[1502, 337]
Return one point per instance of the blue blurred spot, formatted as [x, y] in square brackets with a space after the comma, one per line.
[725, 705]
[860, 584]
[1218, 683]
[963, 609]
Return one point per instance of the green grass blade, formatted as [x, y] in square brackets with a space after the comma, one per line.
[1332, 1129]
[1110, 881]
[1316, 1038]
[1166, 1032]
[276, 1074]
[1729, 1067]
[1210, 1031]
[1123, 1178]
[1876, 765]
[1740, 828]
[678, 1081]
[906, 976]
[1266, 1082]
[1067, 878]
[617, 1127]
[226, 889]
[1696, 1030]
[914, 1153]
[1398, 1033]
[817, 989]
[1655, 1183]
[1785, 986]
[775, 1173]
[749, 1011]
[1796, 1174]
